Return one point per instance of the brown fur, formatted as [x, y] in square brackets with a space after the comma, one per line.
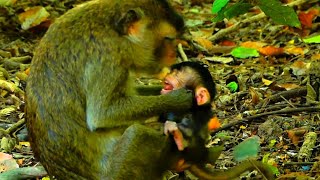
[79, 99]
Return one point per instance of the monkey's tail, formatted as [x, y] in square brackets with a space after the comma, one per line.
[249, 165]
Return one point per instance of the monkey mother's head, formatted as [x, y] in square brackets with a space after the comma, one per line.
[151, 28]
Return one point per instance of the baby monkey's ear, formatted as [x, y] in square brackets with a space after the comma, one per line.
[130, 22]
[202, 96]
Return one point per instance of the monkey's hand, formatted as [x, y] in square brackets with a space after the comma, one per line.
[171, 128]
[181, 165]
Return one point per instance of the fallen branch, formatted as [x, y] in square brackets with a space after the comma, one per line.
[182, 53]
[238, 25]
[282, 111]
[298, 92]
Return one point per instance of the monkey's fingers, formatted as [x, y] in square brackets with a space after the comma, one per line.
[170, 127]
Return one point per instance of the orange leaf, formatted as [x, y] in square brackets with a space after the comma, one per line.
[204, 43]
[271, 51]
[20, 161]
[214, 123]
[295, 135]
[227, 43]
[306, 18]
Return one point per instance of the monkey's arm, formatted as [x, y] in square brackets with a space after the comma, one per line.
[147, 90]
[128, 110]
[232, 173]
[113, 105]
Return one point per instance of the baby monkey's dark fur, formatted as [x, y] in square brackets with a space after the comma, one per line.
[194, 124]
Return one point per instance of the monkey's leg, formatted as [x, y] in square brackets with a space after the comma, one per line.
[139, 154]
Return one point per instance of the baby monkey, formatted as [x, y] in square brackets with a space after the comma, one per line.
[190, 129]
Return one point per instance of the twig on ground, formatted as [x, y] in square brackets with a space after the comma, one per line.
[182, 53]
[14, 127]
[282, 111]
[298, 92]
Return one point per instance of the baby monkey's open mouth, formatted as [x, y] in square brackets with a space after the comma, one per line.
[167, 87]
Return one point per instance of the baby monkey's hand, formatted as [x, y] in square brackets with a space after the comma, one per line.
[171, 127]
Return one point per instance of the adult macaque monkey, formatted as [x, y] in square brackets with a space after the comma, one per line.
[80, 97]
[190, 129]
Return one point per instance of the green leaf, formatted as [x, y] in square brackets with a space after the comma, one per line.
[237, 9]
[272, 143]
[247, 149]
[242, 52]
[220, 16]
[280, 14]
[265, 158]
[314, 39]
[233, 86]
[218, 5]
[223, 136]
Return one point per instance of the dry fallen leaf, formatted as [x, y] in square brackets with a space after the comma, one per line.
[271, 51]
[254, 45]
[204, 43]
[300, 68]
[315, 57]
[255, 99]
[295, 135]
[227, 43]
[24, 144]
[219, 59]
[266, 82]
[33, 17]
[295, 50]
[306, 18]
[288, 86]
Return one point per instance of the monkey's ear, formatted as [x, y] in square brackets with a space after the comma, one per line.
[126, 24]
[202, 96]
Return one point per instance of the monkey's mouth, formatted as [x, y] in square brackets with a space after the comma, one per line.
[167, 87]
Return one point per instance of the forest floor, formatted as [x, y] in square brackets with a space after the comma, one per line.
[273, 95]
